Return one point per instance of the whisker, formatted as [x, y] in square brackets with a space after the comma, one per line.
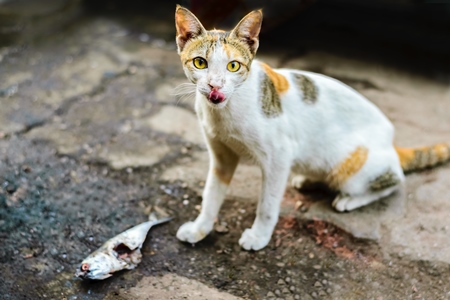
[184, 91]
[184, 88]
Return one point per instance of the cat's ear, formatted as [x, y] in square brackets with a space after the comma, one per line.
[188, 26]
[247, 30]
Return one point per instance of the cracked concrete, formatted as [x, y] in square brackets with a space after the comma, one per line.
[97, 106]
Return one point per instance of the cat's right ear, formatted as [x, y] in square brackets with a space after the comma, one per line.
[188, 26]
[247, 30]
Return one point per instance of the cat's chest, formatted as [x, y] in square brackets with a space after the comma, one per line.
[235, 134]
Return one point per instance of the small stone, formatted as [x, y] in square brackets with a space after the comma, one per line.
[287, 279]
[132, 70]
[317, 284]
[322, 293]
[253, 267]
[26, 168]
[280, 264]
[221, 229]
[324, 281]
[292, 288]
[185, 202]
[143, 37]
[317, 267]
[285, 291]
[270, 295]
[297, 297]
[281, 282]
[277, 292]
[314, 294]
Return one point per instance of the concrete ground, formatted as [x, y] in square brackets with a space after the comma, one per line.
[92, 139]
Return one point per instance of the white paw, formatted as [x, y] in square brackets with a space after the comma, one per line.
[192, 232]
[298, 181]
[341, 203]
[253, 240]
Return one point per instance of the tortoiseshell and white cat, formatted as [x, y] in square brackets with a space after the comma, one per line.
[284, 120]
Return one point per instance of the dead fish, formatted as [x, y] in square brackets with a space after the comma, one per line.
[121, 252]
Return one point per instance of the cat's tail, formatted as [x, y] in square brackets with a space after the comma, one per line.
[414, 159]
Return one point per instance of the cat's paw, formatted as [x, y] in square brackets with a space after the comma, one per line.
[298, 181]
[340, 203]
[251, 239]
[193, 232]
[346, 203]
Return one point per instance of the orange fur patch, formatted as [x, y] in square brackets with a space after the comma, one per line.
[442, 151]
[349, 167]
[279, 81]
[405, 155]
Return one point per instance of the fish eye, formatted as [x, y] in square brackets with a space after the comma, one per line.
[200, 63]
[233, 66]
[85, 268]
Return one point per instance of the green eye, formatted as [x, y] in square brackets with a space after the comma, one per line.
[233, 66]
[200, 63]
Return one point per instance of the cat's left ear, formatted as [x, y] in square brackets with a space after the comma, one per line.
[188, 26]
[248, 29]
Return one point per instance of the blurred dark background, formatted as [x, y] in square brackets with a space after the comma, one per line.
[412, 34]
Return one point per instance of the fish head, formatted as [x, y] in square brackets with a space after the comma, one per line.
[97, 267]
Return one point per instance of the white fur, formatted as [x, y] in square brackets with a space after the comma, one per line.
[307, 138]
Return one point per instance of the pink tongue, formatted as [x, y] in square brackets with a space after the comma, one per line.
[216, 97]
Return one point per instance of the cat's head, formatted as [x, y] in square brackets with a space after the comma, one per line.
[218, 62]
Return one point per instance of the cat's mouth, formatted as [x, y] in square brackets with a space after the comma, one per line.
[216, 97]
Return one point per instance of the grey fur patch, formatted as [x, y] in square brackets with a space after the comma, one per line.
[384, 181]
[422, 158]
[307, 86]
[270, 100]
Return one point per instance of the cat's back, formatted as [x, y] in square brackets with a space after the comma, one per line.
[330, 99]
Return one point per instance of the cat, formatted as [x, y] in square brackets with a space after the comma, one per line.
[284, 120]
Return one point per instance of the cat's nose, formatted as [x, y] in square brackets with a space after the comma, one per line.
[214, 87]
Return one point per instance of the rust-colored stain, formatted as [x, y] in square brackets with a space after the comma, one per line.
[329, 237]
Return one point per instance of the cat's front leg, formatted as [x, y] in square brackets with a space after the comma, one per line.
[275, 176]
[223, 162]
